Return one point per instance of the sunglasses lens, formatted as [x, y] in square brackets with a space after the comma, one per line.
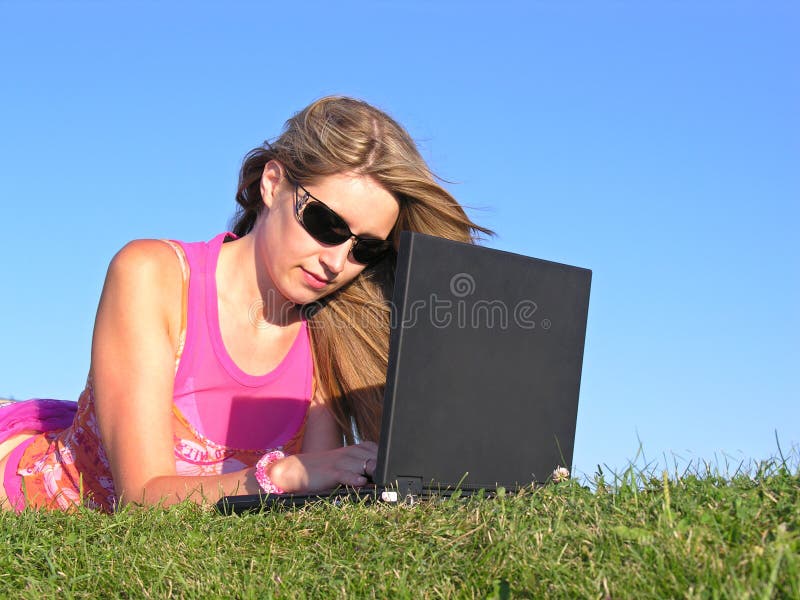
[369, 251]
[324, 225]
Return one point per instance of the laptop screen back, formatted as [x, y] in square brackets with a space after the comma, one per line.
[484, 366]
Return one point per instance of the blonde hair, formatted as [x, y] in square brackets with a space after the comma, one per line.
[350, 328]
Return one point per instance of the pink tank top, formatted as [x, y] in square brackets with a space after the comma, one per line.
[223, 418]
[222, 402]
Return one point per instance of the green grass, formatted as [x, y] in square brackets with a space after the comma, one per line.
[695, 535]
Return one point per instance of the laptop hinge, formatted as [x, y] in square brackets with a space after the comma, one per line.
[409, 486]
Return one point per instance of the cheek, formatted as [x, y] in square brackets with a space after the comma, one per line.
[283, 237]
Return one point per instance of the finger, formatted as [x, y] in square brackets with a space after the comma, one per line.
[369, 446]
[365, 451]
[360, 465]
[352, 479]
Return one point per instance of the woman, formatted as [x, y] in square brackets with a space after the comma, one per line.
[243, 364]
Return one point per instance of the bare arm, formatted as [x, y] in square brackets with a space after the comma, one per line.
[133, 363]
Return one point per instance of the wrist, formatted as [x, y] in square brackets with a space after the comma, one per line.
[263, 472]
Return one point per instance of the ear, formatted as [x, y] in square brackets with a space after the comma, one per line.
[271, 177]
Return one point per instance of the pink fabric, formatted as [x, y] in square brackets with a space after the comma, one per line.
[12, 482]
[222, 402]
[38, 415]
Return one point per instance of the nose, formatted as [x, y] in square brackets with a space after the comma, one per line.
[334, 258]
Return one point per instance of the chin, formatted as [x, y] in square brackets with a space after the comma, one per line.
[311, 297]
[303, 295]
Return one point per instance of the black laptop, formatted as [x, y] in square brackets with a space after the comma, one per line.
[484, 372]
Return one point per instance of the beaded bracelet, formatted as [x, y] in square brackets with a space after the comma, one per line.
[261, 472]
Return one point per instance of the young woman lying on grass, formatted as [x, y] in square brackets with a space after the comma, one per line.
[241, 365]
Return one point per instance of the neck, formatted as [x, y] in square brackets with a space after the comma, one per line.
[242, 286]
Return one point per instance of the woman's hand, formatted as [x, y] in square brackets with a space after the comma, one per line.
[324, 470]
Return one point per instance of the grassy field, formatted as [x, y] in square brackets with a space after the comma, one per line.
[695, 535]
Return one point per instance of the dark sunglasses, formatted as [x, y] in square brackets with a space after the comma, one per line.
[325, 226]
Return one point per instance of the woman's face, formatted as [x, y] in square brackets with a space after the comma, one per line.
[301, 268]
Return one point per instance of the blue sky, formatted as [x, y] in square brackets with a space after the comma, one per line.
[655, 143]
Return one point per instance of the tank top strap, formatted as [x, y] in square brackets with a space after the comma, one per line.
[184, 297]
[196, 259]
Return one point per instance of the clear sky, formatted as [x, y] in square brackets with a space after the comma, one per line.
[656, 143]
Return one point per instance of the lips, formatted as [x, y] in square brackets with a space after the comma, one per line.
[315, 281]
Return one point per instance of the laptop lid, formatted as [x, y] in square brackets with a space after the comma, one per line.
[484, 367]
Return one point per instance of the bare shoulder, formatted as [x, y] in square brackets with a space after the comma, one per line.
[148, 258]
[146, 275]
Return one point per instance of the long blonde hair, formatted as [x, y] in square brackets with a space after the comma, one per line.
[350, 328]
